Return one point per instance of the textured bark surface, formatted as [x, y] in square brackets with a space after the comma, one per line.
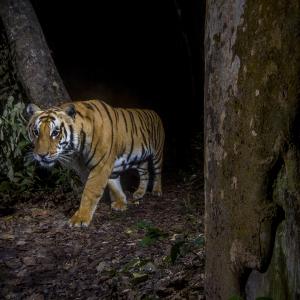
[33, 61]
[251, 161]
[9, 84]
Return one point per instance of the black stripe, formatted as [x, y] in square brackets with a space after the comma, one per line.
[124, 120]
[82, 139]
[79, 113]
[143, 152]
[98, 162]
[71, 136]
[97, 108]
[112, 126]
[107, 111]
[144, 137]
[114, 175]
[134, 161]
[65, 131]
[131, 147]
[47, 118]
[92, 156]
[88, 105]
[133, 125]
[116, 115]
[93, 132]
[142, 120]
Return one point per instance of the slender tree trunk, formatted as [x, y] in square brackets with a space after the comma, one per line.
[252, 166]
[32, 59]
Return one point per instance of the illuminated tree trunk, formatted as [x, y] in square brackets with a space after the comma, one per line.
[32, 60]
[252, 180]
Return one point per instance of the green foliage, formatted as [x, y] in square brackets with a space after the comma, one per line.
[184, 246]
[235, 298]
[176, 251]
[152, 234]
[139, 269]
[14, 144]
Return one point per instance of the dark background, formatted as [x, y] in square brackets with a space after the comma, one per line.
[134, 53]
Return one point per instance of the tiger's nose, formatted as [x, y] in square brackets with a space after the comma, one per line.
[42, 155]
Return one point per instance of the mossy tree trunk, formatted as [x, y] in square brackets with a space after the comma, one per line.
[31, 56]
[252, 179]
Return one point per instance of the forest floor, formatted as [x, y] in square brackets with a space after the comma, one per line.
[153, 250]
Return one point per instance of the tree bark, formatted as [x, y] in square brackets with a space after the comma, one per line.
[251, 152]
[34, 65]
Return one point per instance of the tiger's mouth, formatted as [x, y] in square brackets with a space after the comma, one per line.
[47, 163]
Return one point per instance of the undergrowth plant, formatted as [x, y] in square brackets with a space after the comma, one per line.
[14, 142]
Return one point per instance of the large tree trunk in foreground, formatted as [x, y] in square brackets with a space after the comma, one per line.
[34, 65]
[252, 153]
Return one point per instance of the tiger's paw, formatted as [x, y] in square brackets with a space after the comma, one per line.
[80, 220]
[137, 195]
[157, 193]
[119, 205]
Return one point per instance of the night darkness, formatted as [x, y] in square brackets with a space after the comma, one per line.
[133, 54]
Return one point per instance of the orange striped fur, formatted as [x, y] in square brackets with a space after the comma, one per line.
[99, 142]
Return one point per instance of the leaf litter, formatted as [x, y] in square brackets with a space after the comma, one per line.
[153, 250]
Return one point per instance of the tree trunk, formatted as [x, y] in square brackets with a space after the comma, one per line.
[252, 178]
[34, 65]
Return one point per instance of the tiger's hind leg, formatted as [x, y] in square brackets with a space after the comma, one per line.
[118, 198]
[144, 180]
[157, 169]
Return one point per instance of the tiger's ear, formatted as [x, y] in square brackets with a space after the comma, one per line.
[70, 111]
[31, 109]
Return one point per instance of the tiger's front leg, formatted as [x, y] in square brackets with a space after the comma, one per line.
[92, 193]
[117, 196]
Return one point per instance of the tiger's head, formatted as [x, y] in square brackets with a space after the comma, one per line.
[52, 133]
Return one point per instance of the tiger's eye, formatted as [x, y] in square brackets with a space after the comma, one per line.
[35, 132]
[55, 133]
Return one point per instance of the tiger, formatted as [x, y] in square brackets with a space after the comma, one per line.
[99, 142]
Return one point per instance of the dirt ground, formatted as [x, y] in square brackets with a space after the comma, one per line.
[153, 250]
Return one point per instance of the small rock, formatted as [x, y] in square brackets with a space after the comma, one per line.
[101, 267]
[29, 261]
[177, 237]
[7, 236]
[125, 291]
[13, 263]
[139, 277]
[149, 268]
[129, 231]
[39, 212]
[131, 244]
[115, 261]
[21, 243]
[178, 228]
[35, 297]
[28, 230]
[22, 273]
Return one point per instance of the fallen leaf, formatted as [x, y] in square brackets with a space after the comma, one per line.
[7, 236]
